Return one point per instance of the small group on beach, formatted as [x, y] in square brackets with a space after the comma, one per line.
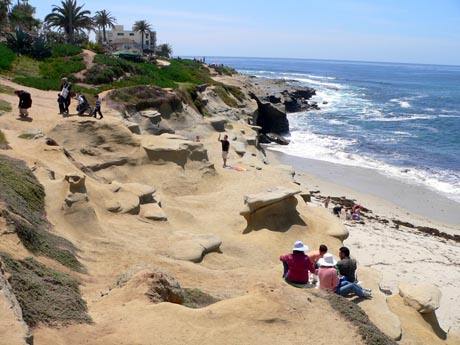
[337, 276]
[83, 106]
[353, 213]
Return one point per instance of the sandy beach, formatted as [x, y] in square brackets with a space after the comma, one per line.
[399, 254]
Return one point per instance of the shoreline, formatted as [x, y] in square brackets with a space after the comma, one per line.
[398, 253]
[425, 205]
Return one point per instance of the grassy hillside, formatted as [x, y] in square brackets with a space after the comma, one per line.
[24, 198]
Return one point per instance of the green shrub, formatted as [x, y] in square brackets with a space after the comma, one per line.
[3, 141]
[225, 70]
[39, 83]
[24, 66]
[61, 67]
[62, 50]
[26, 136]
[7, 57]
[4, 107]
[95, 47]
[353, 313]
[7, 90]
[223, 95]
[235, 91]
[46, 296]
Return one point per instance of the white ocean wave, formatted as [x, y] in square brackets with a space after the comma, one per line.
[312, 146]
[404, 118]
[402, 103]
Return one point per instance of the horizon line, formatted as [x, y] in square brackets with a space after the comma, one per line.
[319, 59]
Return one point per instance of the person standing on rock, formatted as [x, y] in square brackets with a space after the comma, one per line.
[297, 265]
[25, 102]
[225, 148]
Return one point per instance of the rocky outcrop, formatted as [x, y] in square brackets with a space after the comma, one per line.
[153, 212]
[159, 285]
[270, 116]
[218, 124]
[77, 191]
[425, 298]
[151, 122]
[174, 150]
[297, 100]
[191, 247]
[273, 209]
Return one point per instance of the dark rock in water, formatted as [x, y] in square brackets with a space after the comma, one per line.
[273, 137]
[274, 99]
[271, 117]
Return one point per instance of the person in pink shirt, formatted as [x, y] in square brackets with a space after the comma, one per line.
[317, 254]
[297, 264]
[327, 273]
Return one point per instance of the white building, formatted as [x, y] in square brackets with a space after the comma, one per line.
[121, 39]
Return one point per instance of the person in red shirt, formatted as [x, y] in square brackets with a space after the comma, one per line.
[297, 264]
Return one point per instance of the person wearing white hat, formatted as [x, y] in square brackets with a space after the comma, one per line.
[327, 273]
[297, 264]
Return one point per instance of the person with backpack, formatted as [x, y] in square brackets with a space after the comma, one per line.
[25, 102]
[65, 94]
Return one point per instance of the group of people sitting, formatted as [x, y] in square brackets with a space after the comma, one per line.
[337, 276]
[353, 213]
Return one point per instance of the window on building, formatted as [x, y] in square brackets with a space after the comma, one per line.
[147, 36]
[131, 34]
[120, 34]
[146, 43]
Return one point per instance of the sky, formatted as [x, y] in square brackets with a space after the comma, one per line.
[412, 31]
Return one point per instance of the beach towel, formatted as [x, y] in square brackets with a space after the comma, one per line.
[235, 168]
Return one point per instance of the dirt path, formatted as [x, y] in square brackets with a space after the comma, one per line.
[88, 57]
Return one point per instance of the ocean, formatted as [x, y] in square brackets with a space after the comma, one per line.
[402, 120]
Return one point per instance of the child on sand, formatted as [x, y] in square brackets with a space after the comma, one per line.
[97, 109]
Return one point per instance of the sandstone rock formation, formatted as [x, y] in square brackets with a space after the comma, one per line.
[153, 212]
[157, 284]
[77, 189]
[191, 247]
[170, 149]
[273, 209]
[425, 298]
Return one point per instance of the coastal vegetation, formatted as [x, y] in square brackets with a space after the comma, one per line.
[24, 198]
[46, 296]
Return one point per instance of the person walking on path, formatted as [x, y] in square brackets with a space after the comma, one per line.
[25, 102]
[97, 109]
[225, 148]
[297, 265]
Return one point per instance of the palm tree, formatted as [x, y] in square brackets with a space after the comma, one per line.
[70, 18]
[4, 7]
[164, 50]
[104, 19]
[142, 26]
